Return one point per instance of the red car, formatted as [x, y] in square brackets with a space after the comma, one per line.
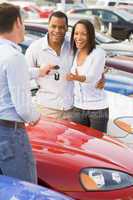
[81, 162]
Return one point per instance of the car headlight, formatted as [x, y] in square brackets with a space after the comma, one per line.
[125, 124]
[98, 179]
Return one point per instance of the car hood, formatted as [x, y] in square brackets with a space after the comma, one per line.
[21, 190]
[91, 147]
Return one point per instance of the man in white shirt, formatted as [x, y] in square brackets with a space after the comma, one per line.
[16, 158]
[55, 97]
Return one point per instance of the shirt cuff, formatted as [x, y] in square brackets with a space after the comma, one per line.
[87, 79]
[34, 73]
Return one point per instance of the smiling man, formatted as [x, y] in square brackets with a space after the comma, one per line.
[55, 96]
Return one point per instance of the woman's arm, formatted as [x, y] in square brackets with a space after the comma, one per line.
[96, 70]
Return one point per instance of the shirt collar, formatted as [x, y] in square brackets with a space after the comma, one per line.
[45, 44]
[9, 42]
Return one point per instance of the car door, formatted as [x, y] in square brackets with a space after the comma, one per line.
[117, 23]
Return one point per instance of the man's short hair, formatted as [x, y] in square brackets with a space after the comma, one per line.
[8, 16]
[59, 14]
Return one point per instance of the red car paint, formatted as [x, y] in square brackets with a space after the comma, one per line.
[63, 148]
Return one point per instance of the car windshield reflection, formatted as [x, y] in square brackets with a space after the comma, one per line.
[102, 38]
[126, 15]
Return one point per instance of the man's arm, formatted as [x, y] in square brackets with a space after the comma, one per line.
[19, 87]
[32, 62]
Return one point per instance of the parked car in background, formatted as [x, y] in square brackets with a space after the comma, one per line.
[119, 84]
[120, 125]
[114, 2]
[35, 29]
[24, 14]
[32, 8]
[69, 7]
[123, 63]
[44, 12]
[127, 8]
[119, 75]
[28, 7]
[14, 189]
[111, 45]
[121, 20]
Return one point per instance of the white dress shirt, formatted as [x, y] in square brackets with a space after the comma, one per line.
[86, 95]
[15, 96]
[52, 94]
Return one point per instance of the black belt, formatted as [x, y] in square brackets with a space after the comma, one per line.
[12, 124]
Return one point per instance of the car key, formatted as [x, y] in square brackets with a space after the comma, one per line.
[56, 76]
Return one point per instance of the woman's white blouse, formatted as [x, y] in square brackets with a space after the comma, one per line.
[86, 95]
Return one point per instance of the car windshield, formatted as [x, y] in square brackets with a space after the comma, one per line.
[102, 38]
[126, 15]
[122, 13]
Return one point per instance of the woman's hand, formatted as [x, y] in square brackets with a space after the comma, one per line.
[70, 77]
[75, 77]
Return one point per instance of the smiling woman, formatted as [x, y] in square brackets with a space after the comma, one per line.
[86, 71]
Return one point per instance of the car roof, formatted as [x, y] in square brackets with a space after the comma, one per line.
[113, 9]
[30, 24]
[115, 1]
[98, 7]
